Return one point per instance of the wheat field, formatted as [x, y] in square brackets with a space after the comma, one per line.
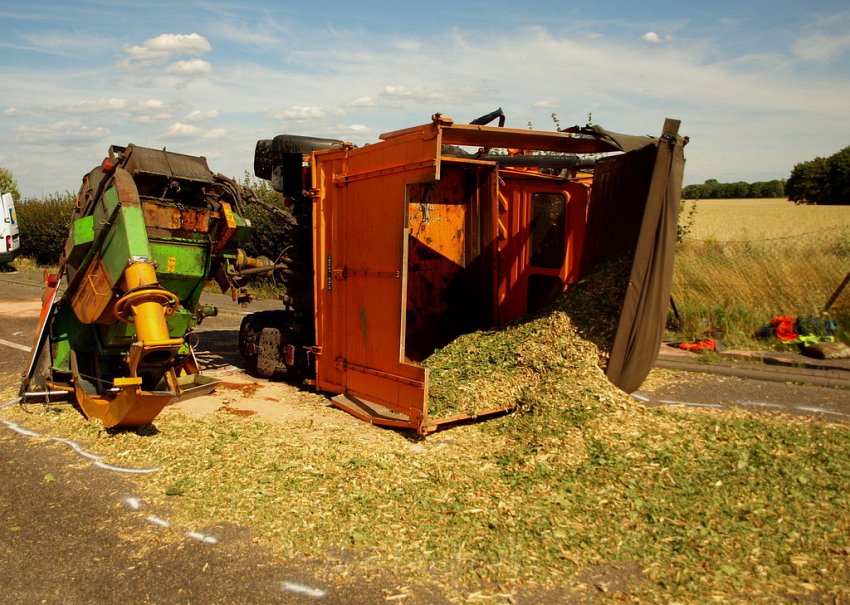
[742, 262]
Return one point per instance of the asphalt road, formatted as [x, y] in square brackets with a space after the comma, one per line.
[70, 535]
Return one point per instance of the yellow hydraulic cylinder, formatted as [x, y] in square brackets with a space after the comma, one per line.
[148, 306]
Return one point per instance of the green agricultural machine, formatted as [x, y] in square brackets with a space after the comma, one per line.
[150, 228]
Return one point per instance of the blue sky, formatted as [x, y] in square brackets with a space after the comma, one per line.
[759, 86]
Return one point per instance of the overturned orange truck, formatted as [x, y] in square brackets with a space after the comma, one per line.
[400, 246]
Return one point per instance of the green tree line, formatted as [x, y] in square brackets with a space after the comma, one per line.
[823, 181]
[712, 189]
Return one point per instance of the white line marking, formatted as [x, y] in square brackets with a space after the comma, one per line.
[14, 345]
[762, 404]
[690, 403]
[316, 593]
[640, 397]
[759, 404]
[206, 538]
[21, 430]
[121, 469]
[77, 448]
[819, 410]
[10, 403]
[133, 503]
[157, 521]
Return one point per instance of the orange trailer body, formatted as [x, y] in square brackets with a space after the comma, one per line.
[415, 243]
[428, 234]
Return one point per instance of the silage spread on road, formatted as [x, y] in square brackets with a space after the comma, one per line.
[579, 477]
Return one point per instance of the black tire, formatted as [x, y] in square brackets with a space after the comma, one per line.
[249, 333]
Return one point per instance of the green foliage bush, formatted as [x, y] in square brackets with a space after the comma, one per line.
[8, 184]
[44, 224]
[821, 180]
[712, 189]
[270, 234]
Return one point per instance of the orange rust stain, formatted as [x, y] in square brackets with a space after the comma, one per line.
[236, 412]
[247, 389]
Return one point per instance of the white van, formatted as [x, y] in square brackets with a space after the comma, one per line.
[10, 242]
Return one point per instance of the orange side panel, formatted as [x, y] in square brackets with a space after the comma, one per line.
[518, 280]
[360, 248]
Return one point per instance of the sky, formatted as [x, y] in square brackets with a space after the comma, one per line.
[758, 85]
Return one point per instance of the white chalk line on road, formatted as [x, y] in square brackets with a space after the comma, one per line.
[811, 409]
[316, 593]
[10, 403]
[122, 469]
[157, 521]
[201, 537]
[77, 448]
[14, 345]
[21, 430]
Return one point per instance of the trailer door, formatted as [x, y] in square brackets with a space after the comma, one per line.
[360, 249]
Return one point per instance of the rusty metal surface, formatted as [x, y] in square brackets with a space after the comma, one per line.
[168, 216]
[436, 266]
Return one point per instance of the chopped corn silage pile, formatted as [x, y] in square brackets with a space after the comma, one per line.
[562, 348]
[707, 505]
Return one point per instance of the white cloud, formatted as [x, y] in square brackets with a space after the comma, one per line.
[158, 50]
[820, 47]
[545, 104]
[70, 132]
[190, 68]
[11, 111]
[200, 116]
[260, 36]
[76, 44]
[179, 130]
[651, 37]
[143, 112]
[303, 112]
[419, 94]
[398, 91]
[98, 106]
[407, 45]
[363, 102]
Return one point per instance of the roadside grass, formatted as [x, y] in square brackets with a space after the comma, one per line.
[746, 261]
